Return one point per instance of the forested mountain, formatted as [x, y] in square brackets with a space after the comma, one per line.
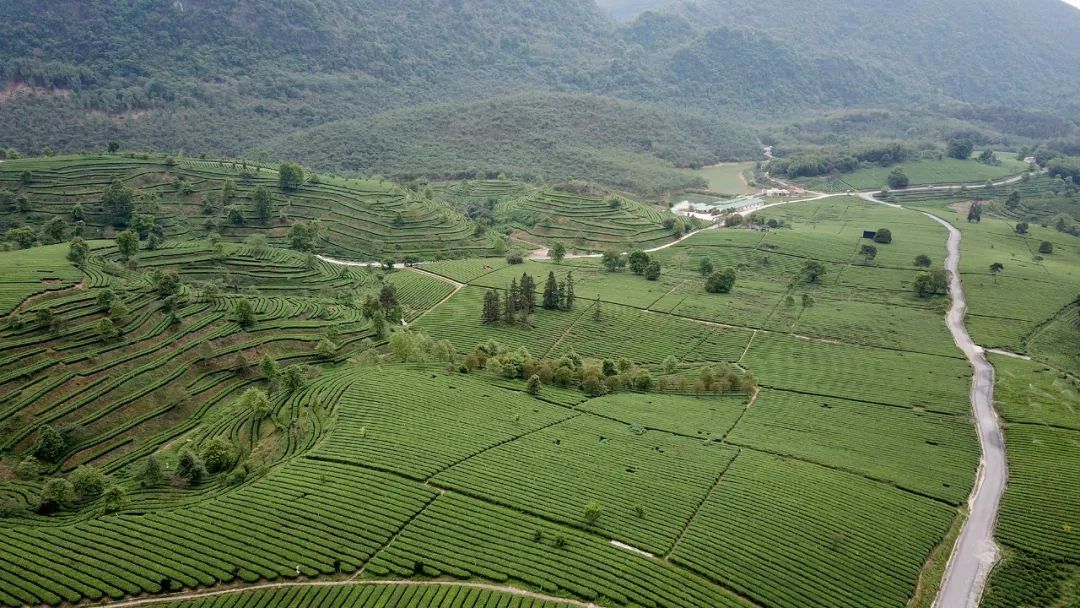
[547, 137]
[235, 77]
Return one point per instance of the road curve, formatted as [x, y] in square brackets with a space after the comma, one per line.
[975, 552]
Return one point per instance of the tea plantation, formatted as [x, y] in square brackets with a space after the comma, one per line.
[357, 399]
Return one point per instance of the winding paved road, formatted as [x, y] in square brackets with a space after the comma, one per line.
[975, 552]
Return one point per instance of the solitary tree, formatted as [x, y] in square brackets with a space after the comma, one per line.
[883, 236]
[127, 242]
[652, 271]
[218, 454]
[244, 312]
[263, 202]
[593, 511]
[705, 267]
[150, 473]
[50, 445]
[995, 269]
[78, 251]
[88, 481]
[721, 281]
[897, 179]
[1022, 228]
[533, 385]
[290, 176]
[974, 213]
[190, 467]
[1046, 247]
[922, 261]
[557, 252]
[960, 148]
[268, 367]
[1013, 201]
[638, 260]
[106, 329]
[119, 202]
[612, 260]
[256, 403]
[813, 270]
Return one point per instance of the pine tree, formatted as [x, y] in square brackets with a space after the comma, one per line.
[491, 307]
[560, 296]
[510, 302]
[569, 304]
[596, 313]
[551, 293]
[527, 297]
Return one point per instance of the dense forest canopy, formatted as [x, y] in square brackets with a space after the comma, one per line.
[228, 77]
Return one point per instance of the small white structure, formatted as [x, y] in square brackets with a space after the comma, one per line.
[776, 192]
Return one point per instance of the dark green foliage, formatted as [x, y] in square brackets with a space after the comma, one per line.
[87, 481]
[721, 281]
[166, 282]
[78, 250]
[1046, 247]
[1022, 228]
[974, 213]
[119, 202]
[150, 473]
[638, 260]
[897, 179]
[959, 148]
[612, 260]
[922, 261]
[190, 467]
[50, 445]
[813, 270]
[303, 236]
[24, 237]
[652, 271]
[263, 203]
[929, 284]
[290, 176]
[127, 243]
[705, 267]
[557, 253]
[219, 454]
[883, 236]
[550, 299]
[244, 312]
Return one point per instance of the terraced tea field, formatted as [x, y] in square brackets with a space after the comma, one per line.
[215, 421]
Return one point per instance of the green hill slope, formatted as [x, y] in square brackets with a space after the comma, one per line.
[537, 137]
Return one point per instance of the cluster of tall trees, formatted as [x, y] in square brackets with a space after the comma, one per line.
[518, 301]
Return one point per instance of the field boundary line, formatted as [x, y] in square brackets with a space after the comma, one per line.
[431, 477]
[567, 331]
[197, 595]
[700, 505]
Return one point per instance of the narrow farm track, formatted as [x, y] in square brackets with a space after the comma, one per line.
[198, 595]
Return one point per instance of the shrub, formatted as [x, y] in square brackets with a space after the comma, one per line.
[721, 281]
[218, 454]
[50, 445]
[87, 481]
[883, 236]
[1046, 247]
[593, 511]
[190, 467]
[515, 257]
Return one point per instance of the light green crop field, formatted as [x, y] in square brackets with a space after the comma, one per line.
[921, 172]
[793, 443]
[32, 271]
[727, 178]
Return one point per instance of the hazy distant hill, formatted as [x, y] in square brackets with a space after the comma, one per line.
[544, 136]
[229, 76]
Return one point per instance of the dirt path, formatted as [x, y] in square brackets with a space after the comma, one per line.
[541, 255]
[197, 595]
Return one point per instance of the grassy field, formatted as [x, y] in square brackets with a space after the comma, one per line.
[727, 178]
[921, 172]
[792, 443]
